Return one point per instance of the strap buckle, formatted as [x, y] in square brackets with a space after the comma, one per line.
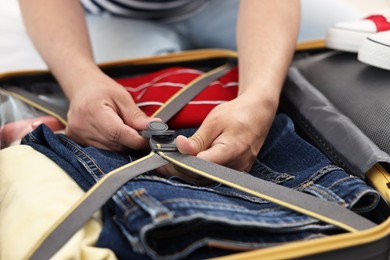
[160, 138]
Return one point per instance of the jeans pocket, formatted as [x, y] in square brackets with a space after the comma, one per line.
[168, 218]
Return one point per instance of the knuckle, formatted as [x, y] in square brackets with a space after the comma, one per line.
[199, 140]
[114, 136]
[137, 113]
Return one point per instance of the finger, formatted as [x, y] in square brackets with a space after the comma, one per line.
[116, 134]
[185, 146]
[200, 141]
[227, 155]
[132, 115]
[218, 154]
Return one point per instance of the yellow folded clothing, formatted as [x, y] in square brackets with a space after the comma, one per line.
[34, 194]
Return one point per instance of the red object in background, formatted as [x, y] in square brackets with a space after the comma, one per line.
[14, 131]
[152, 90]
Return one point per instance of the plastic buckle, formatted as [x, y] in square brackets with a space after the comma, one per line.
[160, 138]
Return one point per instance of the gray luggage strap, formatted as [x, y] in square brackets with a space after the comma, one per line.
[164, 152]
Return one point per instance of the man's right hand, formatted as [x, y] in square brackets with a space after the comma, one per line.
[103, 114]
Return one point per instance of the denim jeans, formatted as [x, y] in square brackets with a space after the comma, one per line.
[162, 218]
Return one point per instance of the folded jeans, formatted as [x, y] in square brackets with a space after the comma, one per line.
[162, 218]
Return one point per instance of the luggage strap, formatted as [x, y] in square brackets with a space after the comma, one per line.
[164, 151]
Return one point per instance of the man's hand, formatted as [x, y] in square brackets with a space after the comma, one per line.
[231, 135]
[104, 115]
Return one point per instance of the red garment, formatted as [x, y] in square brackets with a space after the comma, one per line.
[152, 90]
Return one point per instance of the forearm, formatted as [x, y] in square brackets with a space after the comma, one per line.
[266, 38]
[58, 30]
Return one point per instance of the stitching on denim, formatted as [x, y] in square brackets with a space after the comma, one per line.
[76, 148]
[310, 184]
[254, 199]
[279, 227]
[34, 139]
[342, 180]
[202, 203]
[128, 198]
[162, 213]
[280, 177]
[368, 207]
[118, 200]
[327, 195]
[219, 205]
[323, 171]
[315, 176]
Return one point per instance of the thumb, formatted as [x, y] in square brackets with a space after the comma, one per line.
[195, 144]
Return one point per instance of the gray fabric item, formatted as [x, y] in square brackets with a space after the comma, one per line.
[59, 111]
[168, 10]
[359, 91]
[333, 132]
[346, 108]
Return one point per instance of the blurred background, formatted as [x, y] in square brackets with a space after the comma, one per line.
[18, 53]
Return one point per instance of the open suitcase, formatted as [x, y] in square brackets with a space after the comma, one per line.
[311, 97]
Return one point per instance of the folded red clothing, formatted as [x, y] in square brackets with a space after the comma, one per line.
[152, 90]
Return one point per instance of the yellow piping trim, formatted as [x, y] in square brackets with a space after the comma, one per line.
[81, 200]
[310, 45]
[279, 202]
[380, 178]
[189, 85]
[26, 100]
[171, 57]
[176, 57]
[315, 246]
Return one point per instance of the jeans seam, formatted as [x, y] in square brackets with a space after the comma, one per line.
[118, 200]
[284, 175]
[90, 160]
[340, 181]
[230, 193]
[124, 200]
[362, 209]
[34, 139]
[327, 195]
[315, 176]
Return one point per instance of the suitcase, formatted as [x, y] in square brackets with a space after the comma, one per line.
[309, 106]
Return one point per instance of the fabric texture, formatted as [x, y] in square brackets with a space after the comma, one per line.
[152, 90]
[160, 218]
[165, 10]
[34, 193]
